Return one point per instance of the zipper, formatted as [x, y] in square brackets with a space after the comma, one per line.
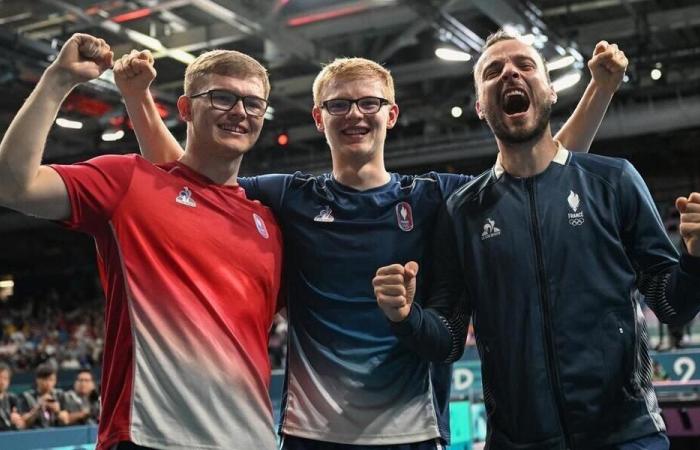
[550, 352]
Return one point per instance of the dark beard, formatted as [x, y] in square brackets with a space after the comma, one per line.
[521, 135]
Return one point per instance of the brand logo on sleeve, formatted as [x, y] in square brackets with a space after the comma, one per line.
[404, 216]
[260, 225]
[185, 198]
[490, 230]
[326, 215]
[575, 216]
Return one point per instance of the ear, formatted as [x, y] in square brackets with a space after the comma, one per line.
[393, 116]
[317, 114]
[552, 94]
[477, 107]
[184, 106]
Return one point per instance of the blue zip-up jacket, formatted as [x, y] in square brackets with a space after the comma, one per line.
[550, 269]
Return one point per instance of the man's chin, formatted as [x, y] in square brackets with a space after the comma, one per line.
[518, 136]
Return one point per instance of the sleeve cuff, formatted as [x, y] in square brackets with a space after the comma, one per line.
[410, 324]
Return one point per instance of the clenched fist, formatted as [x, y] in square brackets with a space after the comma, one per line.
[690, 222]
[134, 73]
[82, 58]
[608, 65]
[395, 287]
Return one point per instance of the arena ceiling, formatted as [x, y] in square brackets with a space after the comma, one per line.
[294, 37]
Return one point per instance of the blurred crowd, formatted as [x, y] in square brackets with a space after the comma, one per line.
[67, 331]
[64, 330]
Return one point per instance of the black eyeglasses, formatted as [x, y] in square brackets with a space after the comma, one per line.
[366, 105]
[226, 100]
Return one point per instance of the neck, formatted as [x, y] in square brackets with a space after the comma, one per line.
[360, 175]
[220, 170]
[530, 158]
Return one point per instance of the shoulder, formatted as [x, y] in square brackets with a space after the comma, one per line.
[472, 191]
[598, 164]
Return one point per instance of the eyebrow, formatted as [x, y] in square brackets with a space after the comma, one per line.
[517, 58]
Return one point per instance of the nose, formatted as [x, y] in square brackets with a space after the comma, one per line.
[510, 71]
[354, 111]
[238, 109]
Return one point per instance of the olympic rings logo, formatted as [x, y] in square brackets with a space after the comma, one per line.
[576, 222]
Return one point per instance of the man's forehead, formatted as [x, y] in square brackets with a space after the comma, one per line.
[239, 83]
[505, 49]
[369, 85]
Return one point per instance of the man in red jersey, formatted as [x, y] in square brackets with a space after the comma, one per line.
[189, 265]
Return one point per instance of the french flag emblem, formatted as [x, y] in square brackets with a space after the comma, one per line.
[262, 229]
[404, 216]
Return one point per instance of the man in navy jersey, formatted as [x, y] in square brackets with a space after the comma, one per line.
[350, 384]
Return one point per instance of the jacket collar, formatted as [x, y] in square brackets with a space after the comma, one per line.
[561, 158]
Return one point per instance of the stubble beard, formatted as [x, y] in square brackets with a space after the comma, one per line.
[520, 135]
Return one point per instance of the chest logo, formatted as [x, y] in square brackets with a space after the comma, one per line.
[575, 215]
[404, 216]
[490, 230]
[185, 198]
[260, 225]
[326, 215]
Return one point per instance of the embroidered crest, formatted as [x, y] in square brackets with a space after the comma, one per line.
[260, 225]
[404, 216]
[575, 217]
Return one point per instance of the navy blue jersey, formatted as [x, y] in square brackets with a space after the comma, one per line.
[349, 380]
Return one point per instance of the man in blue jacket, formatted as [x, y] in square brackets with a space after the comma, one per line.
[548, 252]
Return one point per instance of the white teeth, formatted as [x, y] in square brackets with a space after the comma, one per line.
[515, 92]
[233, 128]
[354, 131]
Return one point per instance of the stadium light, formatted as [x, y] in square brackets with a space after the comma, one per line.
[450, 54]
[111, 136]
[566, 81]
[67, 123]
[560, 63]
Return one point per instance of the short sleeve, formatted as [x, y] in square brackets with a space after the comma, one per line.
[95, 189]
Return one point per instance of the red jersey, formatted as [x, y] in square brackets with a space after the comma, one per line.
[191, 274]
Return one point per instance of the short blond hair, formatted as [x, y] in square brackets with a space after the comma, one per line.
[353, 69]
[226, 63]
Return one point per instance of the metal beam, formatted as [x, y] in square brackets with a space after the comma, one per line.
[406, 73]
[246, 20]
[623, 28]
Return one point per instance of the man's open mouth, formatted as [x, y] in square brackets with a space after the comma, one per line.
[515, 101]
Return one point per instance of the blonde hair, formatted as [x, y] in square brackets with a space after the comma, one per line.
[227, 63]
[353, 69]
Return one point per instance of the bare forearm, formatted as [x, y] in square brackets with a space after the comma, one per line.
[155, 140]
[579, 130]
[22, 147]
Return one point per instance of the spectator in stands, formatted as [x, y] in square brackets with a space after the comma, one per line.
[43, 406]
[10, 419]
[659, 374]
[83, 401]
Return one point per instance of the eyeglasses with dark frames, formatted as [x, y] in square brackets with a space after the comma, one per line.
[226, 100]
[366, 105]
